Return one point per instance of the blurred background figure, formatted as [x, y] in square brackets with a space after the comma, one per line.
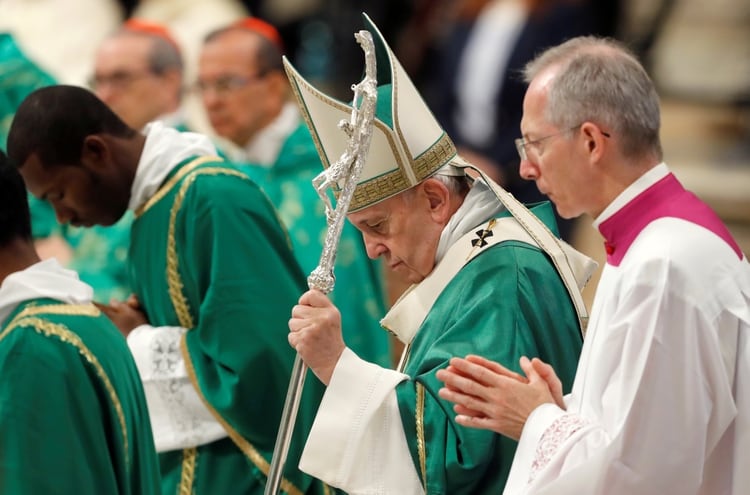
[318, 35]
[475, 88]
[246, 95]
[19, 76]
[244, 89]
[62, 37]
[189, 21]
[138, 72]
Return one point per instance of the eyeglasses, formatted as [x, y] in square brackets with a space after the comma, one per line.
[522, 143]
[226, 84]
[119, 79]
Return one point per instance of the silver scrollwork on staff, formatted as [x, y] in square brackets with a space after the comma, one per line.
[344, 173]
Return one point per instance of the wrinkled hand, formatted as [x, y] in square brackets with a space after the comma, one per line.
[125, 315]
[315, 333]
[489, 396]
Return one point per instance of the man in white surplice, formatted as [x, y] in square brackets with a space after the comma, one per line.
[660, 399]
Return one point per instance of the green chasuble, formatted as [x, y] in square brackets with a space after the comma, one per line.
[358, 293]
[505, 303]
[208, 254]
[73, 417]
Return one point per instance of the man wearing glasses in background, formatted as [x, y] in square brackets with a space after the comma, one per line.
[245, 92]
[138, 73]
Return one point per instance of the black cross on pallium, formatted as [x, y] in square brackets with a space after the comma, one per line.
[482, 234]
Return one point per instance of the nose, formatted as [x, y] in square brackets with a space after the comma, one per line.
[528, 170]
[105, 92]
[374, 248]
[211, 98]
[64, 215]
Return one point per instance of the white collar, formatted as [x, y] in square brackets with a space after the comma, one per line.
[165, 148]
[45, 279]
[265, 145]
[479, 205]
[643, 182]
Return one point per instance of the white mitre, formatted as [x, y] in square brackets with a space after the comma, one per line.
[408, 145]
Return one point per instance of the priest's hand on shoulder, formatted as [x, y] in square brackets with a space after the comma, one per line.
[126, 315]
[315, 333]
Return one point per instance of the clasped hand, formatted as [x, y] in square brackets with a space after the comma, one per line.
[489, 396]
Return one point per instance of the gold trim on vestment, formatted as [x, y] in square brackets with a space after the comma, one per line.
[163, 190]
[47, 328]
[182, 309]
[174, 282]
[57, 309]
[246, 447]
[187, 474]
[419, 417]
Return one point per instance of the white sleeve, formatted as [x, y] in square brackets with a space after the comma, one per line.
[179, 419]
[357, 442]
[651, 407]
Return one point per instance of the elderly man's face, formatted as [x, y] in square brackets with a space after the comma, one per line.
[124, 80]
[403, 232]
[239, 98]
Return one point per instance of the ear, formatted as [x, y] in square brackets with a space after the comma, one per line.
[594, 140]
[173, 78]
[438, 197]
[94, 152]
[278, 84]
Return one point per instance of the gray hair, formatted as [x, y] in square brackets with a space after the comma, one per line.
[599, 80]
[458, 185]
[164, 56]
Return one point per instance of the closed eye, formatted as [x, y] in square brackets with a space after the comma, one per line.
[377, 227]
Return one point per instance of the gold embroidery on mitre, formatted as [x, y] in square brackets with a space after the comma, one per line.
[394, 182]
